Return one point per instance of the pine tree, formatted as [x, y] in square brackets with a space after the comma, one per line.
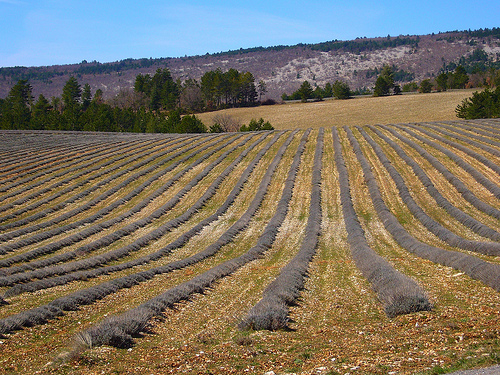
[16, 111]
[305, 91]
[71, 97]
[72, 93]
[341, 90]
[40, 114]
[86, 97]
[385, 82]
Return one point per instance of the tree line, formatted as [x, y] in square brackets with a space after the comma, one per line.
[363, 44]
[305, 92]
[215, 90]
[482, 104]
[78, 110]
[386, 83]
[157, 104]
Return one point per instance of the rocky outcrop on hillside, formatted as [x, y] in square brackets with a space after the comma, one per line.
[283, 68]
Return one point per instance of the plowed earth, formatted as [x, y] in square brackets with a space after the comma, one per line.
[338, 325]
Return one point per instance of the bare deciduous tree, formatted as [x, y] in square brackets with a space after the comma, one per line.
[226, 122]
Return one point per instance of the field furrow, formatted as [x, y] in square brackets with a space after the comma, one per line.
[369, 249]
[488, 248]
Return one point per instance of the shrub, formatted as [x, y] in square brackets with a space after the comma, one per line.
[268, 102]
[489, 248]
[476, 268]
[271, 312]
[305, 91]
[485, 104]
[460, 215]
[225, 122]
[216, 128]
[191, 124]
[410, 87]
[398, 293]
[425, 86]
[255, 125]
[119, 330]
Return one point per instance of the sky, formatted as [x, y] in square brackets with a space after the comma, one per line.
[54, 32]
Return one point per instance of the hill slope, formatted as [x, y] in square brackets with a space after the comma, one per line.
[283, 68]
[364, 110]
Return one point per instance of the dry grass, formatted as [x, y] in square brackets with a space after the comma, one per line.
[357, 111]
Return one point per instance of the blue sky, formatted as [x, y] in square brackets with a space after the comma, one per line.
[49, 32]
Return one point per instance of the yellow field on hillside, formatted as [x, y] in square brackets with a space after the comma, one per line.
[358, 111]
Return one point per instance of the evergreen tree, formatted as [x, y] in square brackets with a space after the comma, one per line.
[123, 119]
[98, 117]
[16, 111]
[86, 97]
[167, 90]
[460, 77]
[155, 99]
[3, 109]
[232, 87]
[318, 93]
[140, 121]
[385, 82]
[257, 125]
[442, 82]
[216, 128]
[485, 104]
[341, 90]
[143, 84]
[71, 96]
[72, 93]
[191, 124]
[410, 87]
[247, 94]
[305, 91]
[425, 86]
[56, 104]
[98, 97]
[172, 122]
[328, 90]
[41, 114]
[211, 88]
[229, 89]
[161, 90]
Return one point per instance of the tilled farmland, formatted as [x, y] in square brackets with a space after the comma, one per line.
[370, 250]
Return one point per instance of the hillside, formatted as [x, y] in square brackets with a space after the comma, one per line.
[283, 68]
[364, 110]
[361, 249]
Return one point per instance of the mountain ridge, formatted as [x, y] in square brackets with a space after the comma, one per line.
[282, 68]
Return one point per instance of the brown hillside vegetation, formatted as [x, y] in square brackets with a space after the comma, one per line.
[374, 248]
[436, 106]
[282, 68]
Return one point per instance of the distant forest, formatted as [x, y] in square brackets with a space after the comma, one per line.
[356, 46]
[41, 73]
